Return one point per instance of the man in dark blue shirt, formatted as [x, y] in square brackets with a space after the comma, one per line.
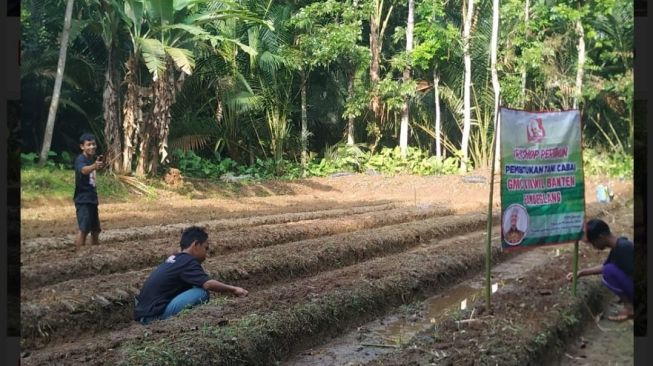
[85, 197]
[180, 282]
[617, 270]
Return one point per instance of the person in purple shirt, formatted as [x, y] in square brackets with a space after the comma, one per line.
[85, 197]
[617, 270]
[180, 282]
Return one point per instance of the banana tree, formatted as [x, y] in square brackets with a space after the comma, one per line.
[134, 21]
[108, 24]
[175, 29]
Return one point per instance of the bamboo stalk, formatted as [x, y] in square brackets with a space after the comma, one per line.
[575, 282]
[488, 249]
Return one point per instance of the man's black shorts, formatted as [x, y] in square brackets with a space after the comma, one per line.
[87, 217]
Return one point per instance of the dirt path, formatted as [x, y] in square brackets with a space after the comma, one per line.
[602, 343]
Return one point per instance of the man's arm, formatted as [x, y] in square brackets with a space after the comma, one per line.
[86, 170]
[591, 271]
[587, 272]
[217, 286]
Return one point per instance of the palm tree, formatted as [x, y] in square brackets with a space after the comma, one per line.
[272, 74]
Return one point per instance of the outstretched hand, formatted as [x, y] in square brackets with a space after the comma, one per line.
[570, 276]
[240, 292]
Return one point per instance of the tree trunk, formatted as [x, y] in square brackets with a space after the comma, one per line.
[145, 135]
[110, 107]
[164, 98]
[377, 29]
[54, 103]
[405, 112]
[304, 133]
[278, 132]
[466, 96]
[578, 92]
[132, 113]
[523, 71]
[375, 50]
[438, 126]
[495, 78]
[351, 119]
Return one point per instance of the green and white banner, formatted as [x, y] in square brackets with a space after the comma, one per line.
[542, 180]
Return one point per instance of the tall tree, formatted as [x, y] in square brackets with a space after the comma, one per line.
[328, 34]
[54, 103]
[377, 30]
[434, 35]
[495, 78]
[405, 113]
[580, 68]
[467, 123]
[109, 22]
[134, 20]
[522, 95]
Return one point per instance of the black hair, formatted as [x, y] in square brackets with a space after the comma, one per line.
[192, 234]
[596, 228]
[86, 137]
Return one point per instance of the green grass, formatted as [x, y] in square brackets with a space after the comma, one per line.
[59, 184]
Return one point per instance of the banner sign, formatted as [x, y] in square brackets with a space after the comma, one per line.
[542, 180]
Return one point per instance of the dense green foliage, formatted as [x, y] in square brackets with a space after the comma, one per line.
[57, 180]
[236, 70]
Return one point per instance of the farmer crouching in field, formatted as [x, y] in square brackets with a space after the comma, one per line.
[180, 282]
[617, 270]
[85, 197]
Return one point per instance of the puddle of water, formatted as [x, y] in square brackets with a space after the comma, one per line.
[385, 335]
[436, 308]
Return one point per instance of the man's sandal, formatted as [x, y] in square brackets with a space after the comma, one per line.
[620, 317]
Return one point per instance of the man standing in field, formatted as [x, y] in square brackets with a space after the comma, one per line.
[617, 270]
[86, 200]
[180, 282]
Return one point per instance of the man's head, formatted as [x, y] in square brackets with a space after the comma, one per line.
[598, 234]
[194, 241]
[87, 144]
[514, 216]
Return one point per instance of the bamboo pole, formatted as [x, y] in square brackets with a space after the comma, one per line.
[488, 241]
[575, 280]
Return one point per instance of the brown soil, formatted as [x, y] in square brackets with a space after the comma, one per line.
[529, 322]
[43, 219]
[335, 239]
[116, 256]
[50, 305]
